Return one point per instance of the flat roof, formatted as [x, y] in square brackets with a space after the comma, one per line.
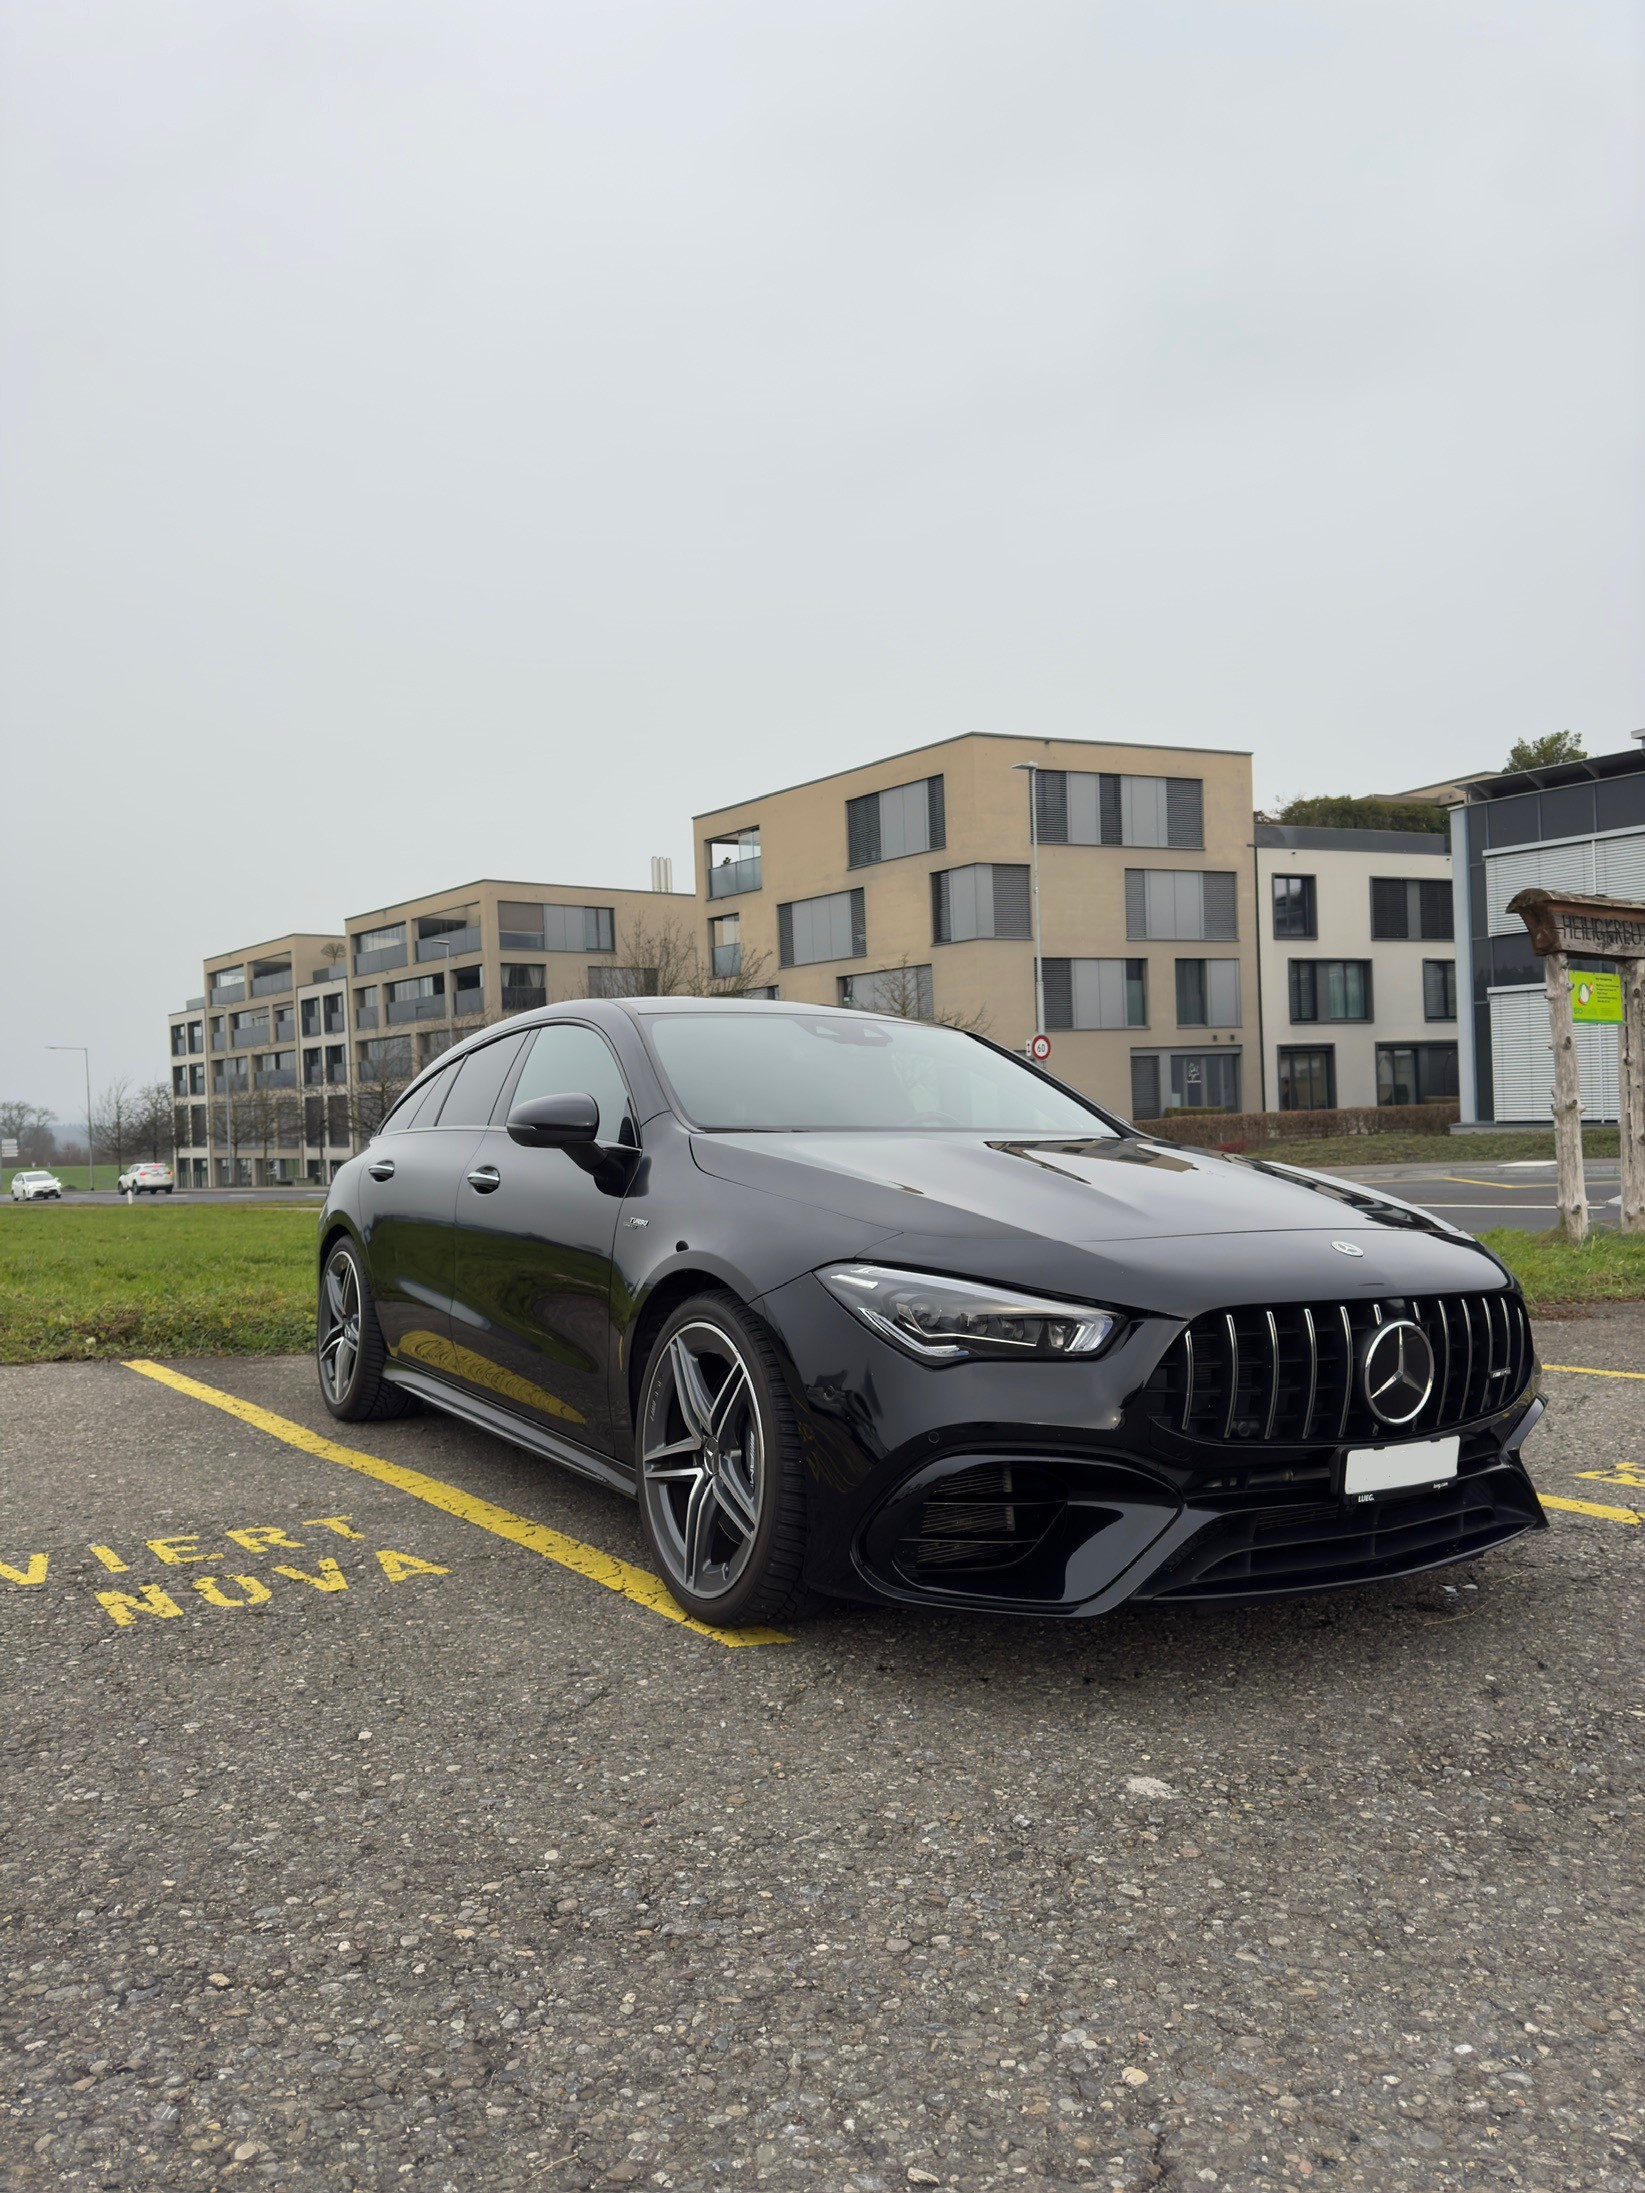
[1305, 837]
[931, 746]
[272, 944]
[1591, 769]
[515, 883]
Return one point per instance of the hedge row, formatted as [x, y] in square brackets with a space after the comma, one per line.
[1224, 1130]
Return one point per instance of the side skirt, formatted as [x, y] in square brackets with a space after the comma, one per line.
[486, 1417]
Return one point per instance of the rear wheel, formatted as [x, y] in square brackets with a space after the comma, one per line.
[349, 1343]
[722, 1491]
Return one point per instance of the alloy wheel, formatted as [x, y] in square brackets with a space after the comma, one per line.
[340, 1342]
[702, 1459]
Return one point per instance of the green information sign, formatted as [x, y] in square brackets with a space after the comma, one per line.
[1597, 998]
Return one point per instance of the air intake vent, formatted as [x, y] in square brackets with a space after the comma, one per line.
[1291, 1375]
[987, 1518]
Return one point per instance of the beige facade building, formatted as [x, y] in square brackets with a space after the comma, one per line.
[1359, 976]
[910, 883]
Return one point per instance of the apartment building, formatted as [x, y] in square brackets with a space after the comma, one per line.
[912, 883]
[1358, 968]
[1574, 826]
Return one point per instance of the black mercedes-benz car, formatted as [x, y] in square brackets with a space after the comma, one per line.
[865, 1308]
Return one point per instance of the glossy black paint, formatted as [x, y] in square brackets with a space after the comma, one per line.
[551, 1279]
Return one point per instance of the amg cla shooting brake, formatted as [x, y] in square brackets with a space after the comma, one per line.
[859, 1307]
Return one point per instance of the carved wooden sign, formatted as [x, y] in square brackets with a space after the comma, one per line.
[1581, 924]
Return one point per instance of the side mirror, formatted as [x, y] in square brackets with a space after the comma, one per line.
[555, 1122]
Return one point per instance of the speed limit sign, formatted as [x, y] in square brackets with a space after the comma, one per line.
[1040, 1049]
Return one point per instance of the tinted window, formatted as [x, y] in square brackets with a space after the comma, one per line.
[480, 1078]
[786, 1071]
[423, 1109]
[570, 1060]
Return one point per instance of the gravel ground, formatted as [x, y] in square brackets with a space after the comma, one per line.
[443, 1868]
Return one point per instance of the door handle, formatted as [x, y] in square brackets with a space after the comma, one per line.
[484, 1178]
[382, 1169]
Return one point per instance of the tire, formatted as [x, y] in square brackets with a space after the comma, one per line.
[348, 1341]
[729, 1538]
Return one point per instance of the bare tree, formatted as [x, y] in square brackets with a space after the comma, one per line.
[114, 1120]
[154, 1123]
[378, 1081]
[31, 1125]
[662, 959]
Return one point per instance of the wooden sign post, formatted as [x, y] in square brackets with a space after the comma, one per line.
[1562, 924]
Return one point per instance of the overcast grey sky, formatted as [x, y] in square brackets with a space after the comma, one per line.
[448, 440]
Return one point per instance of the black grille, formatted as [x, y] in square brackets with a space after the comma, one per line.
[1289, 1375]
[1315, 1547]
[986, 1518]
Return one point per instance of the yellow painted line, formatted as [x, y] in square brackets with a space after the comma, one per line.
[1468, 1181]
[638, 1585]
[1593, 1507]
[1587, 1370]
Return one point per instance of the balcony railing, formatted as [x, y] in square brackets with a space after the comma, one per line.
[278, 1077]
[337, 1077]
[373, 963]
[404, 1009]
[231, 993]
[248, 1039]
[727, 959]
[365, 1016]
[523, 998]
[269, 986]
[449, 943]
[733, 876]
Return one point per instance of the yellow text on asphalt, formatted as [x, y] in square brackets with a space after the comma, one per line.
[632, 1583]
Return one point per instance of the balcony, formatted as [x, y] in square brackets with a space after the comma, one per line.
[373, 963]
[404, 1009]
[732, 876]
[365, 1016]
[231, 993]
[249, 1039]
[337, 1077]
[274, 985]
[278, 1077]
[449, 943]
[523, 998]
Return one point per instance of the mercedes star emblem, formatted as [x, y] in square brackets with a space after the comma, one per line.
[1397, 1371]
[1346, 1248]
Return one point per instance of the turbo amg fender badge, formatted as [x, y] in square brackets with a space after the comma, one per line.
[1397, 1372]
[1346, 1248]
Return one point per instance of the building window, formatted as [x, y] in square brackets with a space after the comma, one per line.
[335, 1005]
[1404, 906]
[1295, 912]
[904, 991]
[1416, 1073]
[622, 982]
[1308, 1080]
[1439, 989]
[1192, 1081]
[310, 1012]
[444, 935]
[178, 1039]
[375, 949]
[1095, 993]
[525, 986]
[725, 945]
[528, 926]
[809, 930]
[418, 997]
[988, 900]
[1076, 807]
[1208, 993]
[734, 863]
[196, 1036]
[1330, 989]
[467, 991]
[313, 1068]
[886, 825]
[1185, 903]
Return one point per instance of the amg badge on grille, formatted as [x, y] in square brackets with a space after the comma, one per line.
[1397, 1371]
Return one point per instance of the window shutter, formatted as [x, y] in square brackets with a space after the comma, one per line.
[1302, 989]
[785, 935]
[1221, 906]
[1388, 909]
[859, 925]
[1083, 825]
[1050, 806]
[939, 907]
[1436, 912]
[1010, 902]
[862, 830]
[1058, 978]
[1108, 800]
[1136, 902]
[1184, 811]
[936, 817]
[1144, 1086]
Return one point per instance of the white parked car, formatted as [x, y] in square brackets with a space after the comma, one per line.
[34, 1187]
[147, 1180]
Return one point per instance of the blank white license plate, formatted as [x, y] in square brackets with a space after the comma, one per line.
[1419, 1462]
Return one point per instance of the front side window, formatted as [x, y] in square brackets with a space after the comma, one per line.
[783, 1072]
[1095, 993]
[987, 900]
[1410, 906]
[568, 1059]
[886, 825]
[1439, 989]
[479, 1083]
[1296, 913]
[1330, 989]
[1081, 807]
[833, 927]
[1182, 903]
[1307, 1079]
[1208, 993]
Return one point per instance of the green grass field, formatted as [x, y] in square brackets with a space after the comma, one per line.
[158, 1278]
[72, 1176]
[238, 1279]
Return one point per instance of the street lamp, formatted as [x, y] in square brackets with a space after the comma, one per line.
[91, 1170]
[1033, 769]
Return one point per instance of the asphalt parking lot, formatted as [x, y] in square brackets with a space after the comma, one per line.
[371, 1824]
[1516, 1192]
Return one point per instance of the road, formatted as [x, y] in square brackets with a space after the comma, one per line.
[1480, 1197]
[373, 1822]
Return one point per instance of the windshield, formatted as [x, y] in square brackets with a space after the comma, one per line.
[779, 1071]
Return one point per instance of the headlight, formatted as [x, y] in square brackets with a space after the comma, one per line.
[947, 1320]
